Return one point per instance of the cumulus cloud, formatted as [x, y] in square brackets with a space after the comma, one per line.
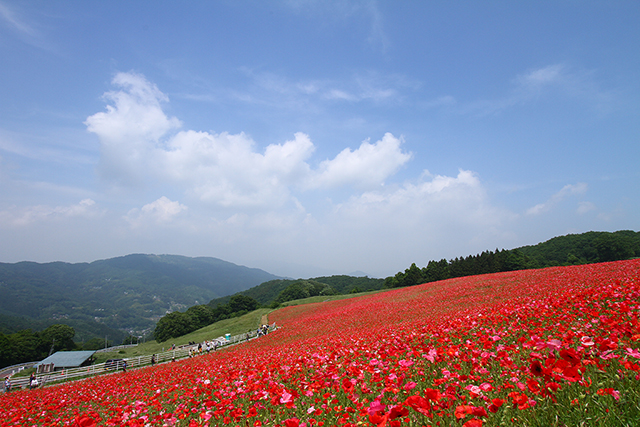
[223, 169]
[161, 211]
[227, 170]
[566, 191]
[410, 221]
[367, 166]
[131, 127]
[436, 196]
[41, 213]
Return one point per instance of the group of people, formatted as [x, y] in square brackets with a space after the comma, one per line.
[263, 330]
[33, 382]
[203, 347]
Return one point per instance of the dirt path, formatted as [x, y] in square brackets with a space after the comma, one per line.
[264, 320]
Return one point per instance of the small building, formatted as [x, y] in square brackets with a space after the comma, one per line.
[64, 360]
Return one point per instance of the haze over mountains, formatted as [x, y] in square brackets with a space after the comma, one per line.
[109, 297]
[128, 295]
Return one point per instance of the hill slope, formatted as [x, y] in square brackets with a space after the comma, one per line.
[555, 346]
[128, 293]
[277, 290]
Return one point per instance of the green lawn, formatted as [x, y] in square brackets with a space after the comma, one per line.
[325, 298]
[235, 326]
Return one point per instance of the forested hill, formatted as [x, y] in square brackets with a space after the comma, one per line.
[278, 291]
[585, 248]
[572, 249]
[128, 293]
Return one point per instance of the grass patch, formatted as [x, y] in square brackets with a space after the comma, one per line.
[235, 326]
[325, 298]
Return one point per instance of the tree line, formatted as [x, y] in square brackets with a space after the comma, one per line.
[179, 323]
[573, 249]
[30, 346]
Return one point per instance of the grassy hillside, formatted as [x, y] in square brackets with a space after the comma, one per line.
[269, 292]
[235, 326]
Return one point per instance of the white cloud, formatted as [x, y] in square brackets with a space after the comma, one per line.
[223, 169]
[558, 80]
[537, 79]
[565, 192]
[367, 166]
[10, 17]
[130, 129]
[280, 92]
[41, 213]
[415, 221]
[441, 195]
[136, 113]
[161, 211]
[584, 207]
[340, 95]
[26, 29]
[226, 170]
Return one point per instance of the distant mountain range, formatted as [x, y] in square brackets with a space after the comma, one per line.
[109, 297]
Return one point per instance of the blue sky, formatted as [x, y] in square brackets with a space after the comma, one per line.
[313, 137]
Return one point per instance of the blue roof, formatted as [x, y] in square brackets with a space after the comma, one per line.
[67, 359]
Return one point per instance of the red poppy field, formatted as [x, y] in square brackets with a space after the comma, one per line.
[551, 347]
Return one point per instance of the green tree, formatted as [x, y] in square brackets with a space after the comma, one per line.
[59, 336]
[94, 344]
[173, 325]
[129, 340]
[613, 247]
[201, 316]
[242, 302]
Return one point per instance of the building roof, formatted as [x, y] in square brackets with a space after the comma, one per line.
[67, 359]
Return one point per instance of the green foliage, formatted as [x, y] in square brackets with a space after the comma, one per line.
[239, 303]
[129, 340]
[585, 248]
[268, 293]
[572, 249]
[173, 325]
[200, 316]
[60, 337]
[96, 344]
[30, 346]
[177, 324]
[304, 289]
